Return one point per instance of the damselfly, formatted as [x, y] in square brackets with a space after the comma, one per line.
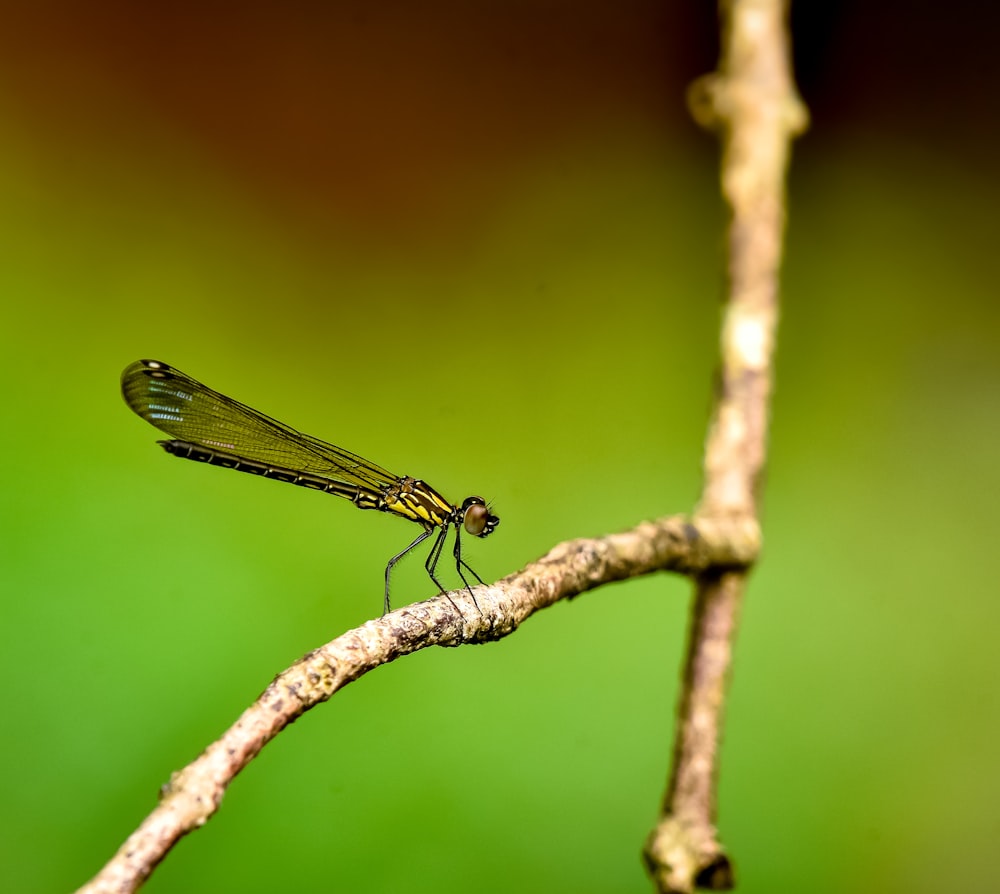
[209, 427]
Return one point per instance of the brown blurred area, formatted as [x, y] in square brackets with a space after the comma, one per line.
[376, 108]
[384, 109]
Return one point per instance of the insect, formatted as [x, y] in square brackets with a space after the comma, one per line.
[209, 427]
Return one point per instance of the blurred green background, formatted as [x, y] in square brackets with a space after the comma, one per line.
[483, 245]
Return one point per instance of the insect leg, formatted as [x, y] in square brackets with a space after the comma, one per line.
[395, 559]
[460, 564]
[432, 562]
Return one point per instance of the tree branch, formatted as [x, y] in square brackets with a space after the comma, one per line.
[752, 102]
[569, 569]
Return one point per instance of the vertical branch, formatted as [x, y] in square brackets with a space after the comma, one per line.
[752, 103]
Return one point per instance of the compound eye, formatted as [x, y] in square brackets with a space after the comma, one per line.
[476, 517]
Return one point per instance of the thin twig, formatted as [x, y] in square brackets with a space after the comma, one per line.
[195, 793]
[752, 102]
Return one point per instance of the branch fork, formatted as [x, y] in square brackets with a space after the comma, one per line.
[751, 101]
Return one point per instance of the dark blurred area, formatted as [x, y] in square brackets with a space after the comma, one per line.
[380, 108]
[375, 104]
